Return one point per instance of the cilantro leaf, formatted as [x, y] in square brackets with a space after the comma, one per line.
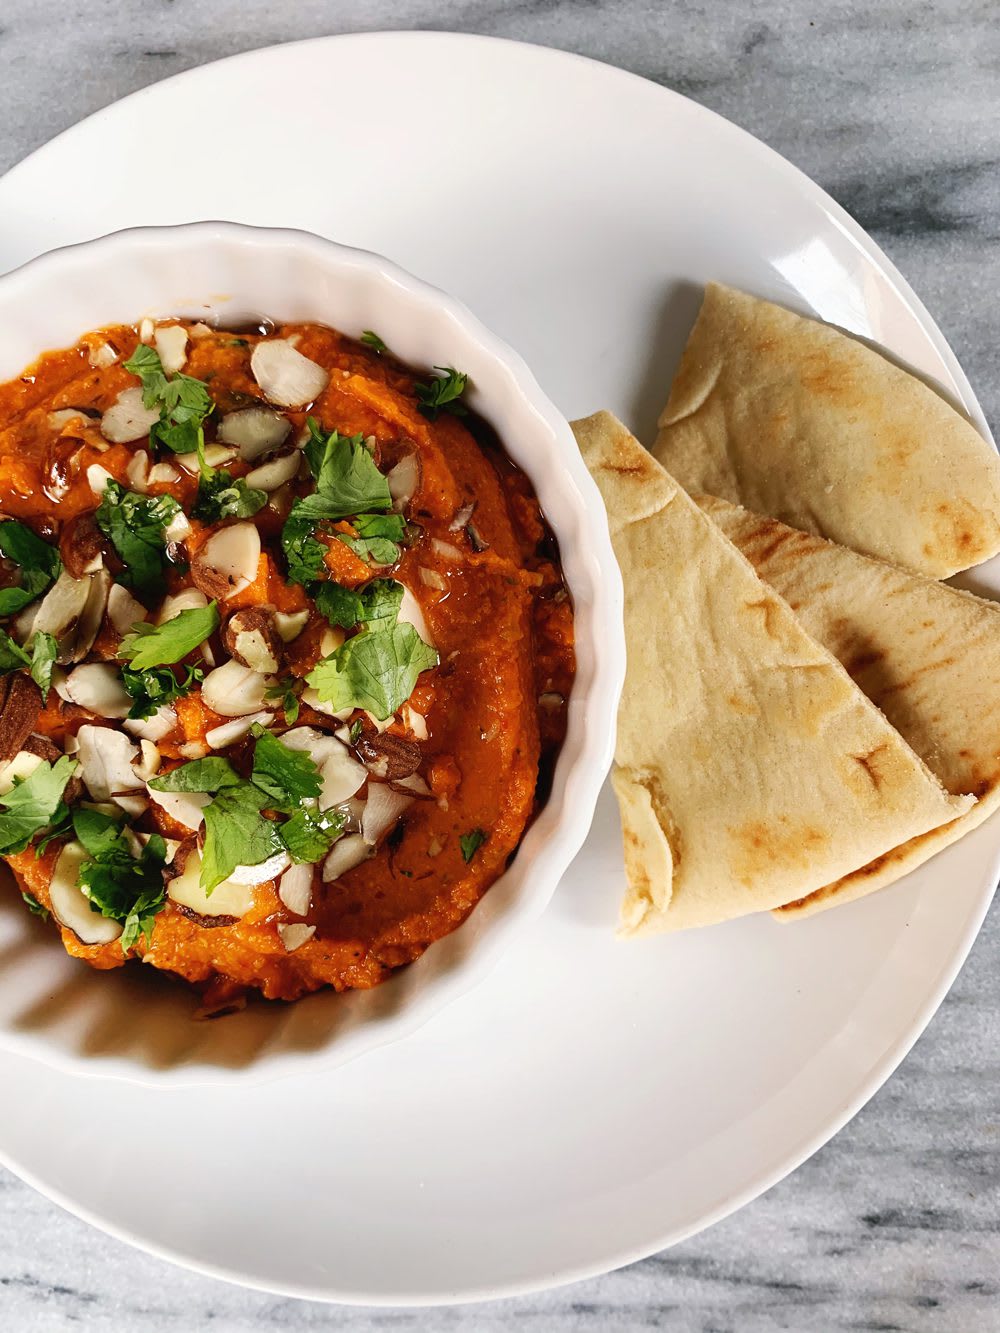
[184, 402]
[160, 645]
[156, 686]
[119, 885]
[372, 340]
[470, 843]
[236, 833]
[305, 555]
[211, 774]
[376, 605]
[134, 525]
[39, 562]
[12, 655]
[44, 651]
[285, 690]
[376, 670]
[377, 537]
[442, 392]
[34, 906]
[33, 804]
[219, 496]
[310, 834]
[287, 777]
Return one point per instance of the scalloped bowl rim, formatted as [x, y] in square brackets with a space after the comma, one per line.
[556, 468]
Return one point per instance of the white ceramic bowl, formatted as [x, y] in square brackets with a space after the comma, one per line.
[129, 1023]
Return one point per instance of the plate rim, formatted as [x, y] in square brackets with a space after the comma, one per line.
[898, 1050]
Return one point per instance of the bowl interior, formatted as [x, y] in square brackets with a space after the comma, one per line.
[132, 1022]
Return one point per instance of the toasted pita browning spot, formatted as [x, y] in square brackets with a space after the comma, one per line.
[802, 422]
[765, 799]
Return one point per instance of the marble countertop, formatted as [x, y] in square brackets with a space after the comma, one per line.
[894, 107]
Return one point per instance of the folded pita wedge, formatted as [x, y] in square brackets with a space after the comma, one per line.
[927, 655]
[795, 419]
[751, 770]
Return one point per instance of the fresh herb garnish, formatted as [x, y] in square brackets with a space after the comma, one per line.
[39, 562]
[162, 645]
[354, 731]
[44, 651]
[34, 906]
[372, 340]
[221, 496]
[134, 525]
[376, 670]
[183, 401]
[375, 605]
[442, 393]
[119, 885]
[236, 833]
[210, 774]
[378, 535]
[310, 834]
[470, 843]
[34, 804]
[285, 690]
[347, 482]
[39, 661]
[156, 686]
[288, 777]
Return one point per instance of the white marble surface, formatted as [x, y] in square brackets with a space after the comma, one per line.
[894, 106]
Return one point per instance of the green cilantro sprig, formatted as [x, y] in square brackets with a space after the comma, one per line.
[442, 393]
[34, 804]
[163, 645]
[39, 563]
[156, 686]
[184, 402]
[372, 340]
[237, 832]
[119, 885]
[470, 843]
[376, 670]
[135, 524]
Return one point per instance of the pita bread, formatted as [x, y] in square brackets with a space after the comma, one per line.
[795, 419]
[927, 655]
[750, 769]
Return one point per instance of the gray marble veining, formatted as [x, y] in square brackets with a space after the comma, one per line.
[894, 106]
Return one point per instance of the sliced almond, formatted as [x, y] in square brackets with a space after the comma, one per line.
[411, 614]
[382, 811]
[97, 687]
[341, 773]
[188, 599]
[70, 905]
[260, 874]
[124, 612]
[404, 481]
[101, 355]
[154, 728]
[233, 690]
[311, 697]
[295, 889]
[230, 732]
[170, 341]
[137, 471]
[216, 455]
[178, 529]
[254, 431]
[294, 934]
[128, 418]
[186, 807]
[290, 624]
[344, 855]
[98, 478]
[226, 899]
[228, 561]
[286, 376]
[148, 764]
[82, 639]
[17, 769]
[269, 476]
[106, 757]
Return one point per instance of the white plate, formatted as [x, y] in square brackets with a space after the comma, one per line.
[591, 1102]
